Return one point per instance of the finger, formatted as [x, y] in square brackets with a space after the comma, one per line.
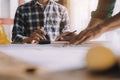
[58, 38]
[33, 34]
[77, 38]
[39, 36]
[62, 39]
[41, 31]
[88, 36]
[75, 43]
[78, 41]
[82, 33]
[43, 37]
[66, 33]
[66, 38]
[33, 41]
[73, 40]
[83, 40]
[36, 38]
[80, 37]
[42, 34]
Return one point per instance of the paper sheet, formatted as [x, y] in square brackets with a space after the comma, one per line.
[50, 57]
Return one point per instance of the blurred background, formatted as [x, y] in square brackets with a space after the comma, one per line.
[79, 12]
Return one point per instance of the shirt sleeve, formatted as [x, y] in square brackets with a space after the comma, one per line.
[104, 9]
[18, 32]
[65, 24]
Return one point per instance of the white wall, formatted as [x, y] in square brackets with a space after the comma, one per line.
[27, 0]
[80, 13]
[0, 8]
[7, 10]
[117, 7]
[13, 7]
[12, 14]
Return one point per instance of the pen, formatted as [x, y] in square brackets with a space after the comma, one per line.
[68, 34]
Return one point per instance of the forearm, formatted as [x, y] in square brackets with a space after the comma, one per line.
[111, 24]
[104, 11]
[18, 38]
[94, 22]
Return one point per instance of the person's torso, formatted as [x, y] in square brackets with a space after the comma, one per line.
[35, 17]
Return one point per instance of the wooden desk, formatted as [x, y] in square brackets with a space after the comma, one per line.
[84, 74]
[15, 69]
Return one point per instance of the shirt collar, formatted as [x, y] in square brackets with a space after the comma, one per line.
[35, 2]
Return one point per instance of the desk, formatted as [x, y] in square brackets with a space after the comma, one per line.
[51, 57]
[84, 74]
[61, 62]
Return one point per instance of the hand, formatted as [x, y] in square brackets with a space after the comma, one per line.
[30, 40]
[66, 36]
[86, 35]
[36, 36]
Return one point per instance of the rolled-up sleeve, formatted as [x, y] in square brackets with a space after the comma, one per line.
[18, 32]
[104, 9]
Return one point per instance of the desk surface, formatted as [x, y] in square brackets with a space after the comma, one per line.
[50, 57]
[63, 62]
[84, 74]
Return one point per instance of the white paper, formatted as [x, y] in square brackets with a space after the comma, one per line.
[49, 57]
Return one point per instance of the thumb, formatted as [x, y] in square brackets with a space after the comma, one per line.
[42, 29]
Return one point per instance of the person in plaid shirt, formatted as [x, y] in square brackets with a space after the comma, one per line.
[40, 20]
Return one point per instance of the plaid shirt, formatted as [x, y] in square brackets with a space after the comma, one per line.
[32, 16]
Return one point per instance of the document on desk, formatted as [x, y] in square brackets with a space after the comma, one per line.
[50, 57]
